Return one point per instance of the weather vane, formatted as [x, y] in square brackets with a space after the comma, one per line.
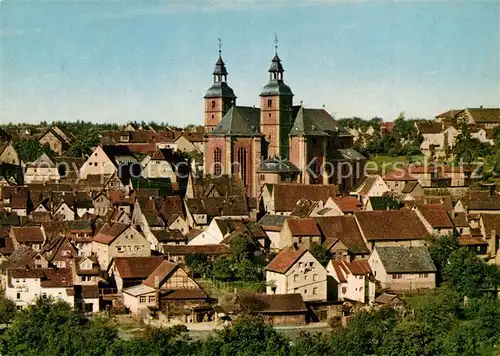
[276, 41]
[220, 45]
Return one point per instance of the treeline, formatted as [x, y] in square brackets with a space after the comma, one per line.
[460, 318]
[402, 140]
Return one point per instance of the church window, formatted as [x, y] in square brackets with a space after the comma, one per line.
[213, 104]
[269, 103]
[242, 164]
[217, 161]
[212, 116]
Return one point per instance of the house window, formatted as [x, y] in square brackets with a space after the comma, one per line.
[305, 291]
[18, 295]
[315, 290]
[217, 161]
[344, 290]
[152, 299]
[300, 264]
[397, 276]
[142, 299]
[315, 277]
[423, 275]
[295, 277]
[296, 290]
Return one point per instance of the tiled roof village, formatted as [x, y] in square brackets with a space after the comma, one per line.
[119, 226]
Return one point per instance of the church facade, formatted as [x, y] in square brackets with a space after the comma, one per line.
[277, 142]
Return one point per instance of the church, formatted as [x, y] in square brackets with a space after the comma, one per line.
[278, 142]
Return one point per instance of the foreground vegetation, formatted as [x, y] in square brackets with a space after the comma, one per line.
[460, 318]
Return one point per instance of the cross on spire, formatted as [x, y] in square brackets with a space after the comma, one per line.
[220, 45]
[276, 41]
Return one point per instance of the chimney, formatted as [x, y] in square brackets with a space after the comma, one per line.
[157, 282]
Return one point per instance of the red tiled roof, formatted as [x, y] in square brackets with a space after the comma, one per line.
[109, 233]
[436, 215]
[345, 229]
[285, 259]
[31, 234]
[286, 195]
[137, 267]
[179, 250]
[160, 273]
[356, 268]
[399, 175]
[303, 227]
[348, 204]
[391, 225]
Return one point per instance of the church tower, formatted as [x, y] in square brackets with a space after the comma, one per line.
[276, 111]
[219, 97]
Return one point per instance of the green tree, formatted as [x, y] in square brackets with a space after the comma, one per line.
[53, 328]
[30, 150]
[223, 269]
[411, 339]
[247, 270]
[248, 336]
[467, 274]
[198, 265]
[441, 248]
[241, 248]
[7, 310]
[321, 253]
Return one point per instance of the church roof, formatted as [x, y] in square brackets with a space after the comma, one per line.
[315, 122]
[239, 121]
[276, 65]
[276, 87]
[220, 67]
[220, 90]
[276, 165]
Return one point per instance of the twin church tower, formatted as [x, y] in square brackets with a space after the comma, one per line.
[273, 143]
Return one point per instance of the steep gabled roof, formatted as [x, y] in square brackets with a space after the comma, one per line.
[110, 232]
[30, 234]
[160, 273]
[315, 122]
[303, 227]
[137, 267]
[239, 121]
[345, 229]
[286, 195]
[436, 215]
[285, 259]
[484, 115]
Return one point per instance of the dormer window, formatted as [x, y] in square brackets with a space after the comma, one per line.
[124, 138]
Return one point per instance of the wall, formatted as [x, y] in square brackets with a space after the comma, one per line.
[97, 164]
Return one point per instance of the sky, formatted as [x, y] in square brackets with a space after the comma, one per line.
[119, 61]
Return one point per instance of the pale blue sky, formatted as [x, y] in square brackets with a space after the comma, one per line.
[117, 61]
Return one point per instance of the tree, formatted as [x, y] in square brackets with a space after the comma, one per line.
[7, 310]
[30, 150]
[468, 275]
[84, 143]
[198, 265]
[223, 269]
[241, 248]
[411, 339]
[441, 248]
[321, 254]
[247, 270]
[249, 335]
[53, 328]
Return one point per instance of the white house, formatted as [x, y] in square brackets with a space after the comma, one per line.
[401, 268]
[354, 280]
[24, 286]
[297, 271]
